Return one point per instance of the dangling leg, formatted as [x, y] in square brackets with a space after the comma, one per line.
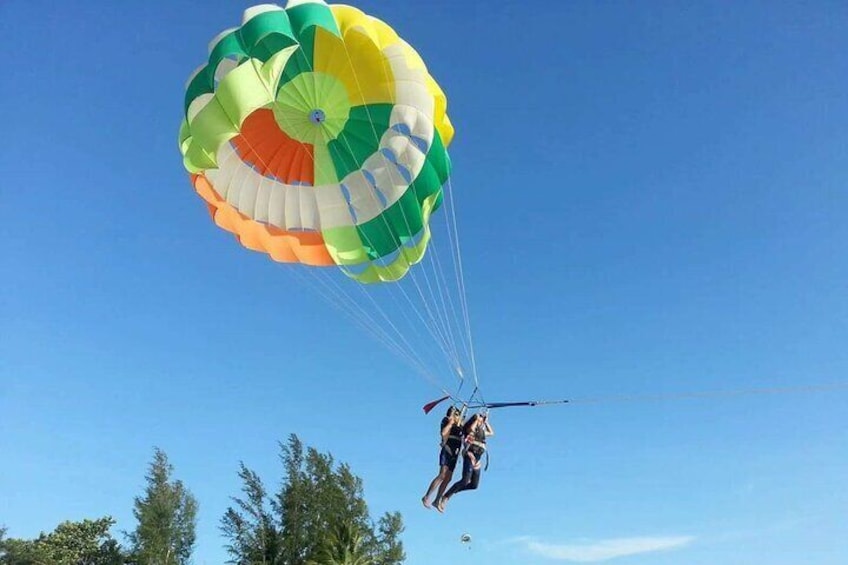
[458, 486]
[448, 475]
[441, 478]
[475, 480]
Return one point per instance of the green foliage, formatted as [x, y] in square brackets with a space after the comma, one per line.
[251, 529]
[318, 516]
[390, 549]
[166, 516]
[344, 545]
[71, 543]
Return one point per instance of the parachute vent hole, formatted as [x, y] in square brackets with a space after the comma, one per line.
[317, 117]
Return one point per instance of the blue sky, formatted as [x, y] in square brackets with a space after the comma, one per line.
[651, 199]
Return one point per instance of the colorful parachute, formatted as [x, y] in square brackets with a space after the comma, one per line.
[315, 134]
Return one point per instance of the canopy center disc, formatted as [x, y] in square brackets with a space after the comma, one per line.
[317, 117]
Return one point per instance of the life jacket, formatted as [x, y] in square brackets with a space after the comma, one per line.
[454, 441]
[476, 442]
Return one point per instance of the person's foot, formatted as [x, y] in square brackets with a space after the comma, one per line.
[440, 505]
[425, 502]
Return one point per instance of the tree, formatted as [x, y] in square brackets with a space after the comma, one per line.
[21, 552]
[319, 515]
[252, 531]
[390, 549]
[71, 543]
[343, 546]
[167, 517]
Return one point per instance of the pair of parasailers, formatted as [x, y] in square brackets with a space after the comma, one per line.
[469, 439]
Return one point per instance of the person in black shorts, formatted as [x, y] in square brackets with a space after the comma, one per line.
[448, 454]
[476, 430]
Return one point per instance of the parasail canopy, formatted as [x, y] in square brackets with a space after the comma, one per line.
[316, 134]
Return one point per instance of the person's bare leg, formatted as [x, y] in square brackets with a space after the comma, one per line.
[439, 482]
[444, 484]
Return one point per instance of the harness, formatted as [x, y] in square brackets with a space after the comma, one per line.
[479, 444]
[452, 451]
[471, 443]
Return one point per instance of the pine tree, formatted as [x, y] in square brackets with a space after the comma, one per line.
[166, 515]
[389, 547]
[252, 530]
[318, 516]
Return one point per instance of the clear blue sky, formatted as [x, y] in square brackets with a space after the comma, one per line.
[652, 200]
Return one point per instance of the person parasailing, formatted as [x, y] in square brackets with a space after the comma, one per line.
[475, 431]
[451, 443]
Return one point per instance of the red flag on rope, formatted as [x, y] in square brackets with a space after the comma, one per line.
[430, 405]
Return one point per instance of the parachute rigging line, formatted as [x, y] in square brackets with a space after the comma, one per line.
[667, 396]
[439, 325]
[437, 309]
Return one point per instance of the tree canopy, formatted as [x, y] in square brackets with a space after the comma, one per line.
[317, 517]
[72, 543]
[166, 518]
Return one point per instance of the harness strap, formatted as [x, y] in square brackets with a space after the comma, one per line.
[453, 452]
